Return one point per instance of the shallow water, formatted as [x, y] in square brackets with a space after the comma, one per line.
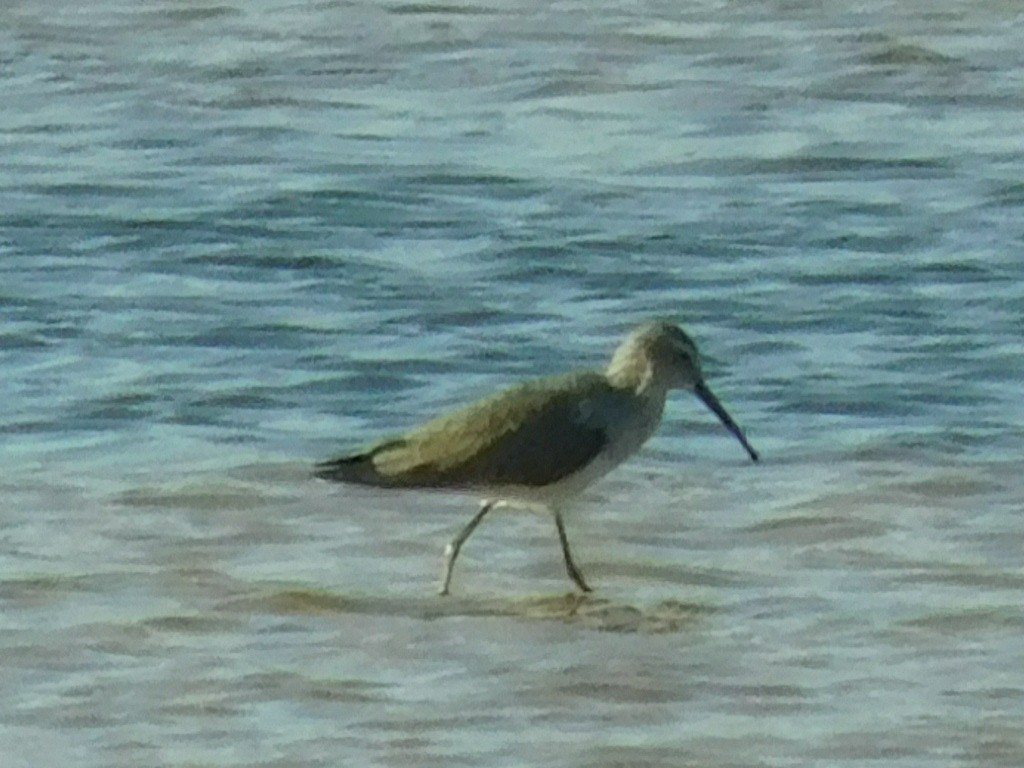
[235, 239]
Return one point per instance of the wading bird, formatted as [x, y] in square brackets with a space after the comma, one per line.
[540, 443]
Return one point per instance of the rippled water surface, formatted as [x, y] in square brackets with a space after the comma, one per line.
[237, 238]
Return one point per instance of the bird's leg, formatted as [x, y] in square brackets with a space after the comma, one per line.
[452, 550]
[570, 566]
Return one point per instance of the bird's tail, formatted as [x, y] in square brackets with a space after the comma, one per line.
[349, 469]
[357, 468]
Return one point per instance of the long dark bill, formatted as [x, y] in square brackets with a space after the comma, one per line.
[709, 399]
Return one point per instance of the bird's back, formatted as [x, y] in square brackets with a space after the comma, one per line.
[532, 435]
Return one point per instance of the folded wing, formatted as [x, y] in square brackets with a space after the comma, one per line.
[532, 435]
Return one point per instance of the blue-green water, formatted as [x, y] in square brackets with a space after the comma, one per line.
[237, 238]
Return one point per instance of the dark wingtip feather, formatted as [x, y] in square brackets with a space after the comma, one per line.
[356, 468]
[348, 469]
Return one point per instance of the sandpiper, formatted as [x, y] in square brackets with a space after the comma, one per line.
[540, 443]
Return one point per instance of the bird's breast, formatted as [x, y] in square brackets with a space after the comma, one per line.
[631, 421]
[628, 421]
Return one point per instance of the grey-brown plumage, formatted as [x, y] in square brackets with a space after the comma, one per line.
[539, 443]
[531, 435]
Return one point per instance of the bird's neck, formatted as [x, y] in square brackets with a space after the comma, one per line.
[642, 407]
[636, 378]
[632, 372]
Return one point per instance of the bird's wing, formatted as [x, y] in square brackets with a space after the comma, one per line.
[532, 435]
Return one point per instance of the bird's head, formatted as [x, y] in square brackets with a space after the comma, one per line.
[659, 356]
